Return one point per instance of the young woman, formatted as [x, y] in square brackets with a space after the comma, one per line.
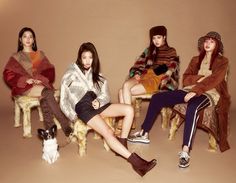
[85, 95]
[204, 84]
[155, 70]
[29, 73]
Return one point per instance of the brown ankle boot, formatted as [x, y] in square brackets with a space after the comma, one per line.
[140, 165]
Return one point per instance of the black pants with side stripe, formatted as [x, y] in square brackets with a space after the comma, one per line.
[169, 99]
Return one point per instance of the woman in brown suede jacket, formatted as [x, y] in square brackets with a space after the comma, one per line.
[204, 84]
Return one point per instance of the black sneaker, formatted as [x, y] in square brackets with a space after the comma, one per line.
[184, 159]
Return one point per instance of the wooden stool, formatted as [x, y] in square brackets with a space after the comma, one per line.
[81, 130]
[25, 104]
[207, 121]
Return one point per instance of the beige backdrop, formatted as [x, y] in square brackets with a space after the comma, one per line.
[119, 30]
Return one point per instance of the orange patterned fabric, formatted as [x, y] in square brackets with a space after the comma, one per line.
[151, 81]
[35, 59]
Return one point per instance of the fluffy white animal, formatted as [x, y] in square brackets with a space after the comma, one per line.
[50, 145]
[50, 150]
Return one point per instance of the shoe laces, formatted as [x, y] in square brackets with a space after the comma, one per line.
[138, 134]
[184, 155]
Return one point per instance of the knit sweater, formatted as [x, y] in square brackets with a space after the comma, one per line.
[165, 55]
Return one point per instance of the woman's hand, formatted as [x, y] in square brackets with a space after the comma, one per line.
[33, 81]
[37, 81]
[149, 62]
[188, 96]
[30, 81]
[95, 104]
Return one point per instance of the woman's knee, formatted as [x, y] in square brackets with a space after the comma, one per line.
[158, 96]
[127, 85]
[129, 110]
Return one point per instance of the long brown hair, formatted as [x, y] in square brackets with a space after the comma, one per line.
[97, 78]
[215, 53]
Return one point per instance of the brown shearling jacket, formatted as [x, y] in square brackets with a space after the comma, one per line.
[218, 81]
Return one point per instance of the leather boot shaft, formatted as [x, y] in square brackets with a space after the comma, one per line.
[47, 114]
[140, 165]
[48, 96]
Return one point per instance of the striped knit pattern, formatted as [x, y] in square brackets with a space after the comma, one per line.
[166, 55]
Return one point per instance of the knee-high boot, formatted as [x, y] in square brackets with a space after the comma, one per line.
[48, 95]
[47, 114]
[140, 165]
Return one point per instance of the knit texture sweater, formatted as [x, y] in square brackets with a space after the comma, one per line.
[164, 55]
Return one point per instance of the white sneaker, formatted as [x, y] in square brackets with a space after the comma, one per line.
[184, 159]
[139, 137]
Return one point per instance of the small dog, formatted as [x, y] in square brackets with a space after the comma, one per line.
[50, 146]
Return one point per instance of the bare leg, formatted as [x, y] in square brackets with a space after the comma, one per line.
[132, 87]
[186, 148]
[35, 91]
[121, 97]
[98, 124]
[115, 110]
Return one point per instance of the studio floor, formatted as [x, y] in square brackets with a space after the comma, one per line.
[21, 158]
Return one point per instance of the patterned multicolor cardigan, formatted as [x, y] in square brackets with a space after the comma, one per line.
[166, 55]
[19, 69]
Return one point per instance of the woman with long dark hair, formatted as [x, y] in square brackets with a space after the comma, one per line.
[85, 95]
[204, 84]
[155, 70]
[29, 72]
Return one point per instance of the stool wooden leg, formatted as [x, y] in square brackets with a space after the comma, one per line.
[80, 131]
[165, 115]
[119, 123]
[82, 138]
[96, 136]
[212, 143]
[137, 106]
[26, 123]
[175, 122]
[40, 113]
[17, 115]
[57, 123]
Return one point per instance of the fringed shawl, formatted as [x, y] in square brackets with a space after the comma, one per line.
[20, 68]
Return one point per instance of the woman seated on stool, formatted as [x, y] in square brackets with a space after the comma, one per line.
[84, 94]
[204, 84]
[155, 70]
[29, 73]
